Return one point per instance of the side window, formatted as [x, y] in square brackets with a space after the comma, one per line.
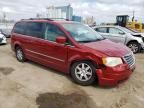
[52, 32]
[115, 31]
[19, 28]
[35, 29]
[102, 30]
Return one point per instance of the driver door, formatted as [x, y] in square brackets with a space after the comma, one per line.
[54, 52]
[116, 35]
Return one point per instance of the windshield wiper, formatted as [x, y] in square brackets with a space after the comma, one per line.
[87, 41]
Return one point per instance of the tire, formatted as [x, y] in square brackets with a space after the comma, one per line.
[79, 70]
[20, 55]
[134, 46]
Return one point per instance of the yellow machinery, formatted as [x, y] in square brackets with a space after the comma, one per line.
[123, 20]
[135, 26]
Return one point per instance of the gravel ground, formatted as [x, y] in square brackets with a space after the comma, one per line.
[30, 85]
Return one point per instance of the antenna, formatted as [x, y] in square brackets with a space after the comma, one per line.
[133, 15]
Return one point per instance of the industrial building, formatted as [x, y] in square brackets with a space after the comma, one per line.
[77, 18]
[65, 12]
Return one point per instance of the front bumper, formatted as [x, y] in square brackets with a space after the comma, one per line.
[3, 41]
[142, 45]
[112, 76]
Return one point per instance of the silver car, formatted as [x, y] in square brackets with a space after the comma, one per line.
[6, 32]
[132, 39]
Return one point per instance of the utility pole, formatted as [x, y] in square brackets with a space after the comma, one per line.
[38, 15]
[1, 10]
[4, 19]
[133, 15]
[4, 16]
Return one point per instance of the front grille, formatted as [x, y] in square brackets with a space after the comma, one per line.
[129, 59]
[143, 39]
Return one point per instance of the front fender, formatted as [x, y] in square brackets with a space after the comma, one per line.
[133, 38]
[95, 60]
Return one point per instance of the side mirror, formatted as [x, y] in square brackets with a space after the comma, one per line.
[61, 39]
[121, 33]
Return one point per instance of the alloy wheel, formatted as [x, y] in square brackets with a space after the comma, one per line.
[83, 72]
[134, 48]
[19, 54]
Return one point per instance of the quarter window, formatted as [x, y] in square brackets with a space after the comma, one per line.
[19, 28]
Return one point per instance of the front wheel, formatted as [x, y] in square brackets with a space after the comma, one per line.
[83, 73]
[134, 46]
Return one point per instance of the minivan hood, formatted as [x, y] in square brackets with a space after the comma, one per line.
[109, 48]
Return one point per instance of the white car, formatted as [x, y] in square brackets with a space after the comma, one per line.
[2, 39]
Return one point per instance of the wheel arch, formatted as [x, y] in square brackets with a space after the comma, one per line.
[17, 45]
[88, 60]
[132, 41]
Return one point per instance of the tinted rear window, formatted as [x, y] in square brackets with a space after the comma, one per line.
[34, 29]
[19, 28]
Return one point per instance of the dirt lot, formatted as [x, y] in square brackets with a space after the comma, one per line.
[30, 85]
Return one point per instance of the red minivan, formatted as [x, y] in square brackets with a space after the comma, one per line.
[72, 48]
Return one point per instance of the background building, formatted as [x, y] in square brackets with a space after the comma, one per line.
[65, 12]
[90, 21]
[77, 18]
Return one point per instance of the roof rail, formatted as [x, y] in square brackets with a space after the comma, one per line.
[50, 19]
[60, 19]
[38, 19]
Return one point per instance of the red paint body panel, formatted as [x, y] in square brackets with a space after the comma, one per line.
[108, 47]
[112, 76]
[60, 56]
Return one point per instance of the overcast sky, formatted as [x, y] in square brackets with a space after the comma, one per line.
[102, 10]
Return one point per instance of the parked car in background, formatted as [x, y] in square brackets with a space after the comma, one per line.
[2, 39]
[132, 39]
[6, 32]
[72, 48]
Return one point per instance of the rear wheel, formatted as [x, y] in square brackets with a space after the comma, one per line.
[83, 73]
[19, 54]
[134, 46]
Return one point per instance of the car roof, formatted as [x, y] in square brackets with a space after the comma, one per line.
[106, 26]
[47, 20]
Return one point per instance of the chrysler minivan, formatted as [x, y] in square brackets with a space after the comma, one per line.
[73, 49]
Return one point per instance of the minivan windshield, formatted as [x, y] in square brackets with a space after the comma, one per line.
[82, 33]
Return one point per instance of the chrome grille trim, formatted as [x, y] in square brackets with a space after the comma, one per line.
[129, 59]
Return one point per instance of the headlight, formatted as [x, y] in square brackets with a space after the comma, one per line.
[4, 37]
[112, 61]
